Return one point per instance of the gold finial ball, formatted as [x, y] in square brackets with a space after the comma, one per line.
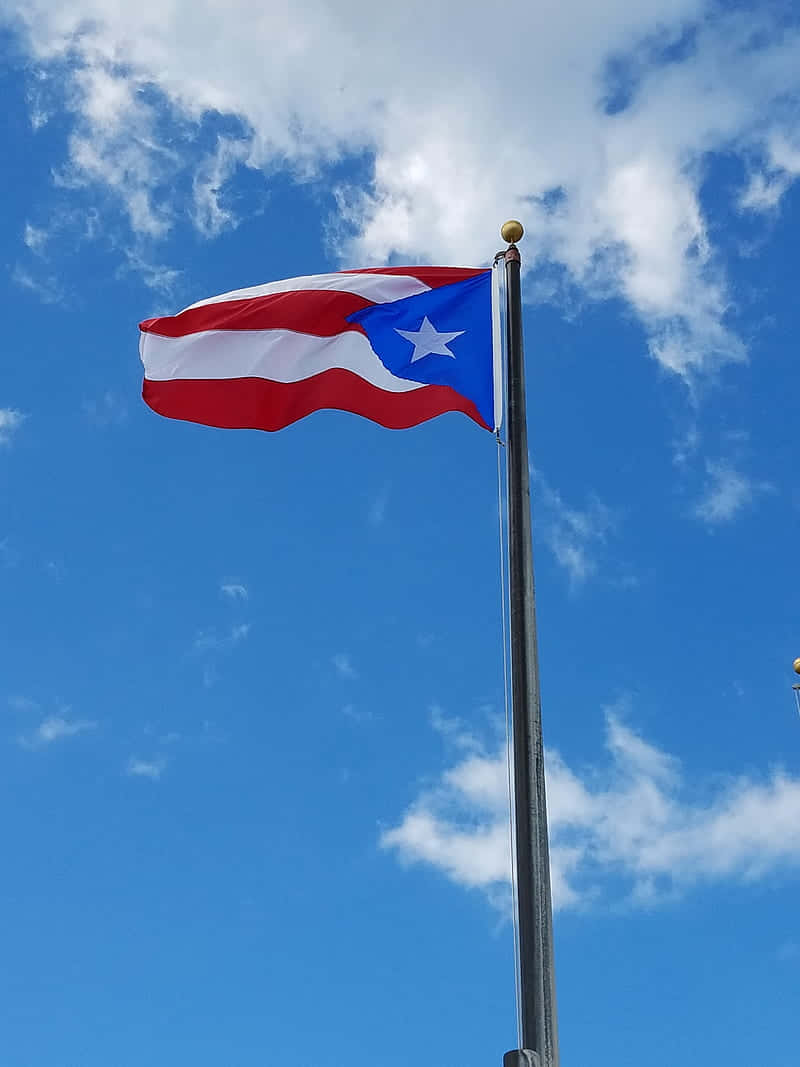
[796, 665]
[511, 231]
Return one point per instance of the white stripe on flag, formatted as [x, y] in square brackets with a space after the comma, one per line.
[277, 355]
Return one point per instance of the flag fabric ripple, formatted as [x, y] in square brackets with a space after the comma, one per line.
[398, 345]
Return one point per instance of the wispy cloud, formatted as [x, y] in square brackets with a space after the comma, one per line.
[47, 288]
[377, 508]
[152, 769]
[234, 590]
[159, 277]
[108, 409]
[113, 148]
[9, 554]
[55, 570]
[10, 422]
[780, 168]
[632, 820]
[453, 730]
[728, 492]
[22, 703]
[212, 641]
[35, 237]
[685, 447]
[344, 666]
[764, 192]
[575, 536]
[358, 715]
[38, 116]
[55, 728]
[211, 216]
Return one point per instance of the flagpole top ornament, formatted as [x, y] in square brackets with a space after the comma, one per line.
[511, 231]
[796, 665]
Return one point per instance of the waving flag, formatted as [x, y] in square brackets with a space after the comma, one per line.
[398, 345]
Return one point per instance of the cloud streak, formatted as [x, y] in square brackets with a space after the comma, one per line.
[727, 494]
[234, 590]
[150, 769]
[575, 536]
[55, 728]
[47, 289]
[344, 666]
[629, 829]
[10, 422]
[212, 641]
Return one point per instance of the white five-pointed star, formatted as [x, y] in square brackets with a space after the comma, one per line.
[428, 342]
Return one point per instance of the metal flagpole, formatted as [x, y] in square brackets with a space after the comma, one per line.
[535, 913]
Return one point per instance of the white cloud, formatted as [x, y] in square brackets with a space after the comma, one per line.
[152, 769]
[358, 715]
[685, 447]
[116, 146]
[9, 554]
[162, 279]
[377, 508]
[764, 192]
[631, 828]
[54, 570]
[209, 215]
[38, 115]
[607, 166]
[35, 237]
[48, 289]
[781, 168]
[211, 641]
[575, 536]
[10, 422]
[728, 492]
[453, 730]
[234, 590]
[55, 728]
[108, 409]
[344, 666]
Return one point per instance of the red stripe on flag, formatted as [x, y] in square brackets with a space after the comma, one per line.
[321, 312]
[260, 404]
[435, 277]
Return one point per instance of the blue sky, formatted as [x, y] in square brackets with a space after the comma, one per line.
[252, 745]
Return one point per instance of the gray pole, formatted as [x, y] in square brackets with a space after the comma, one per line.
[535, 913]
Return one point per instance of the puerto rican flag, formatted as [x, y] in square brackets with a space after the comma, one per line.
[398, 345]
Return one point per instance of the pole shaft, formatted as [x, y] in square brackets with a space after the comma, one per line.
[535, 918]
